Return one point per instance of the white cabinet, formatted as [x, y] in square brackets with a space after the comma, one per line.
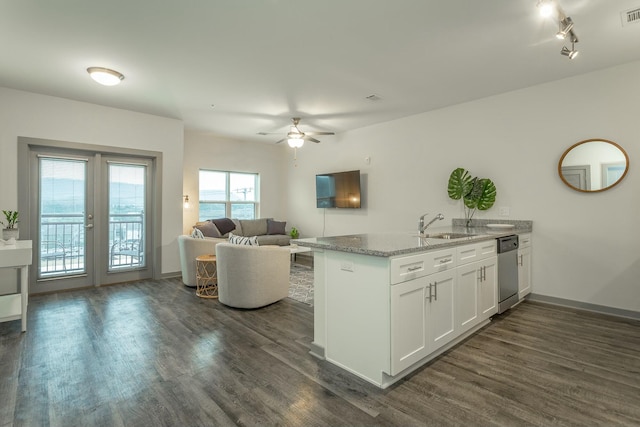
[524, 266]
[476, 293]
[439, 302]
[381, 317]
[422, 318]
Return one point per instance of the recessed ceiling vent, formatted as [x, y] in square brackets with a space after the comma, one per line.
[630, 17]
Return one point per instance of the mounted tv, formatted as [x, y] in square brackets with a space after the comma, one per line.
[338, 190]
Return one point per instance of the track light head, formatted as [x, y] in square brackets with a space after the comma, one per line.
[571, 53]
[565, 27]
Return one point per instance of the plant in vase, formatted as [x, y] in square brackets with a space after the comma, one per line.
[10, 230]
[294, 233]
[476, 193]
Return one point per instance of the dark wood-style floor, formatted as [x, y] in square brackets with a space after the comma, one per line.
[152, 353]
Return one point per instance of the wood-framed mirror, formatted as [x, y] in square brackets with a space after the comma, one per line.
[593, 165]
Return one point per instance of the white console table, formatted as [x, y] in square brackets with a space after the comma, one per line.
[14, 306]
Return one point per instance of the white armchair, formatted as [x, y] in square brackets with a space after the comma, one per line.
[252, 276]
[190, 248]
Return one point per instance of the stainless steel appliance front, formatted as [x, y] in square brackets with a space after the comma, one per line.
[507, 272]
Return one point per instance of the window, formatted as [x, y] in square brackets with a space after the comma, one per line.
[228, 194]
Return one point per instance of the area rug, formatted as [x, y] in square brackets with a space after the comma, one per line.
[301, 283]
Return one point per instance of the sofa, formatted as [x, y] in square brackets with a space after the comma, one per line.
[252, 276]
[266, 230]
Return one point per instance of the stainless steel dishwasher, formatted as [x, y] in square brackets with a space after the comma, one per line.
[507, 272]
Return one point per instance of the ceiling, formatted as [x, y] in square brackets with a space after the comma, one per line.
[238, 67]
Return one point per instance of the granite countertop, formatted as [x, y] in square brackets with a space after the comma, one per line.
[400, 243]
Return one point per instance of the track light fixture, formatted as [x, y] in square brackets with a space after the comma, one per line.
[571, 53]
[565, 26]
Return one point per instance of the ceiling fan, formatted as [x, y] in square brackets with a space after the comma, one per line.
[295, 137]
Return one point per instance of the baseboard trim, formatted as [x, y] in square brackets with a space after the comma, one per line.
[618, 312]
[171, 275]
[317, 351]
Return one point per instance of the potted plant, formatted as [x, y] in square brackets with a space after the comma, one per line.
[10, 230]
[476, 193]
[294, 233]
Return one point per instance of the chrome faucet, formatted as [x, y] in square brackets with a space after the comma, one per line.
[422, 227]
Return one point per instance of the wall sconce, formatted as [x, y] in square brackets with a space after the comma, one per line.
[186, 201]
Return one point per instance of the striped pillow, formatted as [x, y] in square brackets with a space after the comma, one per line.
[242, 240]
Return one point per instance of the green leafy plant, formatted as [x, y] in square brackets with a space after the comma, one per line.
[294, 233]
[12, 219]
[476, 193]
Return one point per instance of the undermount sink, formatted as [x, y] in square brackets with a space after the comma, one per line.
[448, 235]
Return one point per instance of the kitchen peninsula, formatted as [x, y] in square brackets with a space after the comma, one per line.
[385, 304]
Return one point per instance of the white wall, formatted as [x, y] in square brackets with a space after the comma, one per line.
[38, 116]
[202, 151]
[586, 247]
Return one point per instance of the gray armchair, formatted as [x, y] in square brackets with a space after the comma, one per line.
[252, 276]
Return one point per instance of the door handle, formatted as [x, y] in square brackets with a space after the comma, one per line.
[435, 296]
[88, 226]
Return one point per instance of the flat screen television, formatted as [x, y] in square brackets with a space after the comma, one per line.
[338, 190]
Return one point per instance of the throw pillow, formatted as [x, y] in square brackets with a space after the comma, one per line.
[276, 227]
[208, 229]
[197, 234]
[242, 240]
[254, 227]
[224, 225]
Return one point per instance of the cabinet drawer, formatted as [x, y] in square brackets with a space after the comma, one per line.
[413, 266]
[524, 240]
[476, 251]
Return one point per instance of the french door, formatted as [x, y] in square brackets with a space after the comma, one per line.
[90, 225]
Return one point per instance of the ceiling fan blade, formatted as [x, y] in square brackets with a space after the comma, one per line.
[269, 133]
[306, 137]
[283, 139]
[319, 133]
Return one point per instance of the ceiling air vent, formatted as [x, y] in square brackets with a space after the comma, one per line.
[630, 17]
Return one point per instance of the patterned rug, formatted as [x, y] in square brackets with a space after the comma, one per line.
[301, 283]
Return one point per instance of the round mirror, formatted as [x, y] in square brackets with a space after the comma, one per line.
[593, 165]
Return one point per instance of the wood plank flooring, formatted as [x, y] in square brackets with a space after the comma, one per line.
[152, 353]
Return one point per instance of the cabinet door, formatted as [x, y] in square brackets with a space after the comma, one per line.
[488, 288]
[409, 338]
[524, 272]
[440, 310]
[467, 296]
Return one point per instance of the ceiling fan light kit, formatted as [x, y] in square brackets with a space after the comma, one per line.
[295, 137]
[295, 142]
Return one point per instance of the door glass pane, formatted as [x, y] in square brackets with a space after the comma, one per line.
[62, 217]
[126, 216]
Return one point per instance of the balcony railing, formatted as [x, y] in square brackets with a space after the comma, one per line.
[62, 243]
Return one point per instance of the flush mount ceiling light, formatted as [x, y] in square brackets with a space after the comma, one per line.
[105, 76]
[565, 26]
[571, 53]
[546, 7]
